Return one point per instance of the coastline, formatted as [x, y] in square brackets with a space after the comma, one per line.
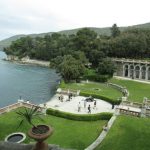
[27, 60]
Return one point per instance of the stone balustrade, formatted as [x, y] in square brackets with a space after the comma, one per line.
[17, 105]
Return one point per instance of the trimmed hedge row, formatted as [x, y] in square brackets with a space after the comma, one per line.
[79, 117]
[97, 78]
[112, 101]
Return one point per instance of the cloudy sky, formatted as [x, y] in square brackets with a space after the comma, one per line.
[37, 16]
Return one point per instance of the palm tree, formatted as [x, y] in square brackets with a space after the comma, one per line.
[29, 115]
[38, 132]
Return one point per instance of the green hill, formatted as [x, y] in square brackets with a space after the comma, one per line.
[99, 31]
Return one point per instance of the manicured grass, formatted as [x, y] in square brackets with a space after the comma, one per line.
[67, 133]
[128, 133]
[137, 90]
[96, 88]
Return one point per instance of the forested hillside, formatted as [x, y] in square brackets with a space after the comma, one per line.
[70, 53]
[100, 31]
[133, 43]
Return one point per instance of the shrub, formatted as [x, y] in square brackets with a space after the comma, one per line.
[62, 84]
[107, 99]
[79, 117]
[102, 78]
[97, 78]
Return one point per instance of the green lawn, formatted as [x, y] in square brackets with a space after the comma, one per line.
[137, 90]
[128, 133]
[67, 133]
[93, 87]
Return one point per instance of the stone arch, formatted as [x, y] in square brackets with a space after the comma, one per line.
[137, 72]
[131, 71]
[126, 70]
[143, 72]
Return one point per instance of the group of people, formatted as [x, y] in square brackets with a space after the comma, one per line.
[70, 96]
[61, 97]
[88, 108]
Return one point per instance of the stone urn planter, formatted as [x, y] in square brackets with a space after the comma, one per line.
[37, 132]
[40, 133]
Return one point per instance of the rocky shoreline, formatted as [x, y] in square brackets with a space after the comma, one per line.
[27, 60]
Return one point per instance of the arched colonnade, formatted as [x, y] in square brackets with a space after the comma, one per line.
[136, 71]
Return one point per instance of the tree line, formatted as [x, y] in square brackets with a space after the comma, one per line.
[74, 51]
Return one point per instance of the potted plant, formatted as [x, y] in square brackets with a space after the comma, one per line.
[37, 132]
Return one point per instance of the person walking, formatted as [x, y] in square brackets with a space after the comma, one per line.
[79, 107]
[95, 104]
[89, 109]
[84, 103]
[61, 98]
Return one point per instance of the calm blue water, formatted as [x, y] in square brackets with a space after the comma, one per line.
[33, 83]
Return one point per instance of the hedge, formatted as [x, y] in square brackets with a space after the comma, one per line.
[107, 99]
[97, 78]
[79, 117]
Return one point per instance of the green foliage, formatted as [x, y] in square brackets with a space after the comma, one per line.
[106, 67]
[79, 117]
[55, 62]
[77, 131]
[92, 75]
[103, 32]
[97, 78]
[107, 99]
[86, 45]
[115, 31]
[95, 57]
[79, 55]
[91, 87]
[137, 90]
[127, 133]
[131, 44]
[71, 69]
[29, 115]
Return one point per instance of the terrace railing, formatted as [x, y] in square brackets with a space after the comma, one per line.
[18, 105]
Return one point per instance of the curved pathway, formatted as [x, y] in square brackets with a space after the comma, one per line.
[124, 78]
[102, 135]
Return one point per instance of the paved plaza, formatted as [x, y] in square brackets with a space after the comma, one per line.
[72, 105]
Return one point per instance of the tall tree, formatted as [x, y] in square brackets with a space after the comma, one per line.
[71, 69]
[106, 67]
[115, 31]
[84, 40]
[95, 57]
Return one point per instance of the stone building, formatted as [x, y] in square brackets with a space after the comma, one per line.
[134, 69]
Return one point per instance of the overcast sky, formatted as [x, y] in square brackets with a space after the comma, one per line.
[37, 16]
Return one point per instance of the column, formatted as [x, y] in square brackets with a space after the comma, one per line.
[140, 73]
[134, 76]
[123, 71]
[146, 78]
[128, 71]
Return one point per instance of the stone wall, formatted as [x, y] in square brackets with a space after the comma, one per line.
[16, 146]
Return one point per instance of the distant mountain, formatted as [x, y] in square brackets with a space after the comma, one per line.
[7, 42]
[99, 31]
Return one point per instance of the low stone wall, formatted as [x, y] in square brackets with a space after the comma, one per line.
[66, 92]
[15, 146]
[132, 104]
[122, 89]
[17, 105]
[118, 87]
